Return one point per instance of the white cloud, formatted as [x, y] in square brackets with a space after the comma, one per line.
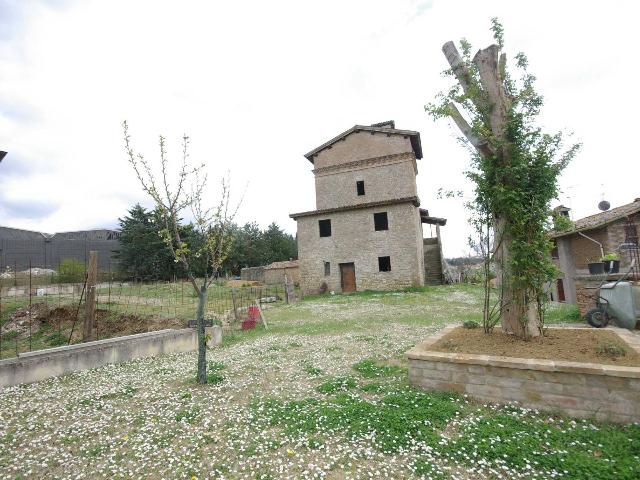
[258, 84]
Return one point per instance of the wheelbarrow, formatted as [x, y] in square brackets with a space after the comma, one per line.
[619, 300]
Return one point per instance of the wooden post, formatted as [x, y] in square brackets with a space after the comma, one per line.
[264, 320]
[90, 303]
[235, 308]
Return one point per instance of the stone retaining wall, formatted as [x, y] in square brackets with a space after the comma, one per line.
[252, 274]
[52, 362]
[604, 392]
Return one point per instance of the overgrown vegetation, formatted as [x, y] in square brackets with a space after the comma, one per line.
[562, 223]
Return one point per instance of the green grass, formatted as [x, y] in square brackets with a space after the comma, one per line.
[370, 369]
[399, 418]
[521, 441]
[562, 313]
[322, 386]
[337, 384]
[213, 372]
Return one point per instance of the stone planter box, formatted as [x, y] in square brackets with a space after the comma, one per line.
[587, 390]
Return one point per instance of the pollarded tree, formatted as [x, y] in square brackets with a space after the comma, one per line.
[212, 225]
[515, 168]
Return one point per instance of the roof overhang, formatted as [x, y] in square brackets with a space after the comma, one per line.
[415, 201]
[426, 218]
[414, 136]
[595, 226]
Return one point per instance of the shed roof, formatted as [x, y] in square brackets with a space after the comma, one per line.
[600, 219]
[384, 127]
[426, 218]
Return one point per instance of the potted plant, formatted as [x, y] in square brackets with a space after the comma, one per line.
[611, 262]
[596, 267]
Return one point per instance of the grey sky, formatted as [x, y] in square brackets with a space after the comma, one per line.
[258, 84]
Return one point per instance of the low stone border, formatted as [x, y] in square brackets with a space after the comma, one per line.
[604, 392]
[52, 362]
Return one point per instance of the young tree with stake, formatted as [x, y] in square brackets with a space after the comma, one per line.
[212, 224]
[515, 168]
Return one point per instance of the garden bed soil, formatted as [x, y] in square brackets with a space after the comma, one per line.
[574, 345]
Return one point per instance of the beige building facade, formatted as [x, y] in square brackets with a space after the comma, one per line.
[366, 231]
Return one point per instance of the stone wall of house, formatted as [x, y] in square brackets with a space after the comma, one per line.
[276, 276]
[354, 239]
[617, 236]
[432, 261]
[584, 250]
[385, 178]
[360, 146]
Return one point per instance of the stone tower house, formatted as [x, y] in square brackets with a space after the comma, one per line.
[366, 231]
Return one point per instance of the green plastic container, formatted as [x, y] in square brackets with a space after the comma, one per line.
[622, 298]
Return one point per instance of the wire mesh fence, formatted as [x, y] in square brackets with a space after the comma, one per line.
[38, 311]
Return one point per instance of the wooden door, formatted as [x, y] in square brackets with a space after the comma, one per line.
[560, 285]
[348, 277]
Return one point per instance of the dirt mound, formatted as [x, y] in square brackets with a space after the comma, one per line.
[111, 324]
[589, 345]
[25, 316]
[108, 323]
[62, 314]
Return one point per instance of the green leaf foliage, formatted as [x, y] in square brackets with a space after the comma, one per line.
[144, 253]
[515, 175]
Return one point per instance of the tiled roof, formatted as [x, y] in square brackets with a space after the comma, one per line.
[286, 264]
[601, 219]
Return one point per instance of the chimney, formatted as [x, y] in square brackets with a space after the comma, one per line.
[561, 210]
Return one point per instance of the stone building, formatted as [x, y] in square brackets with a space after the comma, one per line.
[366, 231]
[614, 230]
[275, 273]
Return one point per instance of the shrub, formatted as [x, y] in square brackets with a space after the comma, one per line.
[562, 223]
[470, 324]
[70, 271]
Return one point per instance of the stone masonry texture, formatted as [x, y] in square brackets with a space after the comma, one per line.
[584, 390]
[386, 162]
[354, 240]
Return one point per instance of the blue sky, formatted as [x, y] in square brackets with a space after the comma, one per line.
[258, 84]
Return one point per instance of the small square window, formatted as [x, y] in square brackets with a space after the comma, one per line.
[325, 228]
[360, 187]
[380, 220]
[327, 269]
[384, 264]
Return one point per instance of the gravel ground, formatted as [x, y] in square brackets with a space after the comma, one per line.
[148, 419]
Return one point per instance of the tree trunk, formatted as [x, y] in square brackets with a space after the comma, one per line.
[202, 342]
[518, 314]
[90, 303]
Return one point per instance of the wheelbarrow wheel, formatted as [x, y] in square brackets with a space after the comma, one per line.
[597, 318]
